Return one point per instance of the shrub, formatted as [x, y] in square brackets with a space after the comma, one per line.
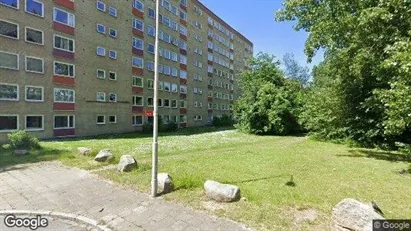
[223, 121]
[169, 127]
[23, 140]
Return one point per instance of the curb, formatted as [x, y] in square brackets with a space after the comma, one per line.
[65, 216]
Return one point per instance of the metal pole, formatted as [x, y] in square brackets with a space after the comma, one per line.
[155, 114]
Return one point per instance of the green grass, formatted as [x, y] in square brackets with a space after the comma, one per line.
[324, 173]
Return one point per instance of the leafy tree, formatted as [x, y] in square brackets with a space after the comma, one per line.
[295, 71]
[268, 103]
[367, 64]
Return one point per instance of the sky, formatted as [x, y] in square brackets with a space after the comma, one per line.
[255, 20]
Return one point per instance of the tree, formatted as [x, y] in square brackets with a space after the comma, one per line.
[367, 62]
[295, 71]
[268, 104]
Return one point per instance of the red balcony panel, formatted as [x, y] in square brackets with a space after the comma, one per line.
[138, 90]
[210, 111]
[183, 66]
[210, 62]
[184, 22]
[183, 96]
[64, 106]
[63, 28]
[138, 33]
[137, 109]
[138, 13]
[210, 38]
[64, 80]
[183, 37]
[183, 125]
[210, 99]
[231, 81]
[137, 51]
[66, 3]
[64, 132]
[63, 54]
[138, 71]
[183, 81]
[183, 52]
[183, 110]
[183, 7]
[210, 50]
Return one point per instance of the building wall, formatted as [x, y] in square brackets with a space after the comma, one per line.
[86, 108]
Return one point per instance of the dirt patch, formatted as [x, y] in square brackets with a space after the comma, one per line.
[212, 206]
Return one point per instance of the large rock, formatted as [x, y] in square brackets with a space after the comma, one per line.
[84, 151]
[165, 183]
[127, 163]
[351, 214]
[221, 192]
[104, 155]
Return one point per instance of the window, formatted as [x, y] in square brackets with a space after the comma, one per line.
[112, 33]
[101, 74]
[64, 69]
[64, 122]
[174, 10]
[63, 43]
[137, 24]
[174, 56]
[183, 30]
[34, 123]
[167, 70]
[183, 89]
[9, 29]
[167, 54]
[10, 3]
[160, 102]
[183, 59]
[174, 72]
[183, 74]
[112, 119]
[9, 92]
[183, 2]
[183, 104]
[64, 17]
[112, 75]
[150, 84]
[137, 81]
[150, 66]
[183, 45]
[150, 102]
[183, 15]
[101, 28]
[101, 119]
[101, 97]
[160, 85]
[34, 7]
[112, 11]
[34, 94]
[173, 119]
[101, 6]
[138, 5]
[35, 65]
[151, 13]
[137, 120]
[64, 95]
[166, 119]
[174, 88]
[9, 123]
[112, 54]
[150, 48]
[167, 86]
[138, 62]
[138, 43]
[183, 119]
[151, 30]
[173, 103]
[101, 51]
[34, 36]
[112, 97]
[138, 100]
[166, 103]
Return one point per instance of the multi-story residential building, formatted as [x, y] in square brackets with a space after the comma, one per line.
[80, 68]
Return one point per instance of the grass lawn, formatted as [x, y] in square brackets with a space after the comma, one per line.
[324, 173]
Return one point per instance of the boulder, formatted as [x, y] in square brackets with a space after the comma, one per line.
[165, 183]
[126, 164]
[84, 151]
[221, 192]
[104, 155]
[351, 214]
[21, 152]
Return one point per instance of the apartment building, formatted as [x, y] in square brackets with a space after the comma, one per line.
[81, 68]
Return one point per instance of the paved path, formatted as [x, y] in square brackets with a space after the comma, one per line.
[50, 186]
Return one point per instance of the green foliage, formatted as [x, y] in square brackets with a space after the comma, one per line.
[362, 89]
[23, 140]
[223, 121]
[162, 127]
[169, 127]
[270, 103]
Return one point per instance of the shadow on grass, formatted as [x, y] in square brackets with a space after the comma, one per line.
[253, 180]
[379, 155]
[8, 159]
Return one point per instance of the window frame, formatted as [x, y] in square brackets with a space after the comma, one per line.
[68, 13]
[101, 123]
[34, 129]
[42, 10]
[115, 10]
[32, 57]
[54, 95]
[112, 52]
[18, 92]
[18, 60]
[97, 6]
[105, 28]
[17, 121]
[18, 30]
[32, 100]
[97, 48]
[111, 101]
[101, 93]
[142, 62]
[64, 128]
[16, 8]
[142, 101]
[70, 64]
[135, 6]
[135, 124]
[115, 119]
[137, 77]
[104, 71]
[109, 32]
[54, 43]
[42, 36]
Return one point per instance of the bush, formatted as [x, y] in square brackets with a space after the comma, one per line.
[170, 127]
[223, 121]
[23, 140]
